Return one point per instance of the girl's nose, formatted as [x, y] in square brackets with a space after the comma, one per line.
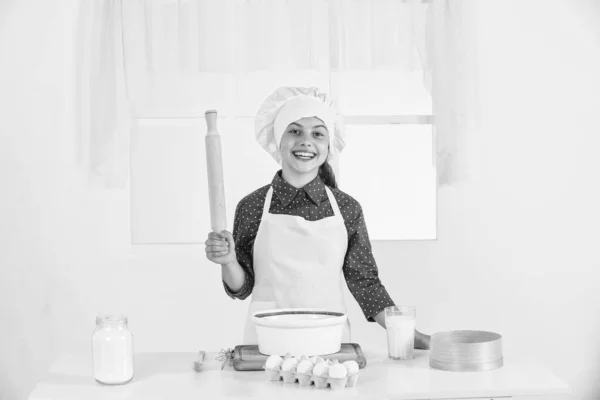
[307, 139]
[306, 143]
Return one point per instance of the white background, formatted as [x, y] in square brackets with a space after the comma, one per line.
[517, 249]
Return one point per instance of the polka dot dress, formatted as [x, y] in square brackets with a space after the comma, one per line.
[311, 203]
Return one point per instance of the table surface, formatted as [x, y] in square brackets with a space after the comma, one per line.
[172, 376]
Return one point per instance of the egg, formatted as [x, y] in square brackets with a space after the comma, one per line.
[303, 358]
[317, 359]
[305, 367]
[274, 362]
[351, 366]
[289, 364]
[338, 371]
[321, 369]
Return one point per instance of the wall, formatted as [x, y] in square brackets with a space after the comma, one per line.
[517, 248]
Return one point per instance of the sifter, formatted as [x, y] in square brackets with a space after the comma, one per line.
[466, 351]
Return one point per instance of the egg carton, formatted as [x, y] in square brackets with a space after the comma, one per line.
[310, 379]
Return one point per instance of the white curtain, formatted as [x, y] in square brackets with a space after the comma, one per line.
[103, 109]
[240, 36]
[129, 51]
[448, 43]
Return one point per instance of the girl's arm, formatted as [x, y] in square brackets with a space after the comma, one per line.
[232, 272]
[220, 249]
[360, 268]
[234, 254]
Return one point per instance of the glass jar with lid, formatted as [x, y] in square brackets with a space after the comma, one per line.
[112, 350]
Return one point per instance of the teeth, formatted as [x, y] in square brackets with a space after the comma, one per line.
[303, 154]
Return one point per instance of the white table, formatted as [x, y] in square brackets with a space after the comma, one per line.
[171, 376]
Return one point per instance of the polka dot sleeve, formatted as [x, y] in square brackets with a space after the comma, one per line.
[360, 268]
[243, 236]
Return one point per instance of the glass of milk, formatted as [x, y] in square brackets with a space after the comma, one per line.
[400, 327]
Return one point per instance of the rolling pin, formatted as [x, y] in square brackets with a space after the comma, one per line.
[214, 168]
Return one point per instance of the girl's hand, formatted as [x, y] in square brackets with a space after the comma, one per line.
[220, 247]
[422, 340]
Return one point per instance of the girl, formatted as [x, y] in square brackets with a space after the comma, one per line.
[294, 239]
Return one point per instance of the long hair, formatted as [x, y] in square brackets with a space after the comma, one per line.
[327, 175]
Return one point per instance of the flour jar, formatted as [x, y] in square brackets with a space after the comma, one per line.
[112, 350]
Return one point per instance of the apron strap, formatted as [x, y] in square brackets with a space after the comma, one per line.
[267, 204]
[332, 201]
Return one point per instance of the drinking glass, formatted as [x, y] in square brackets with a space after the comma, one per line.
[400, 327]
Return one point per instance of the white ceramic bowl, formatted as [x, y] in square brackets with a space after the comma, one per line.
[299, 331]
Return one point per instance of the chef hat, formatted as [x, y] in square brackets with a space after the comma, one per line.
[289, 104]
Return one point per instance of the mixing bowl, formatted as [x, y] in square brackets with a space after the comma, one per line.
[299, 331]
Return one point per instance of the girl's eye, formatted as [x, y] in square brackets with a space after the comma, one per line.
[319, 134]
[294, 131]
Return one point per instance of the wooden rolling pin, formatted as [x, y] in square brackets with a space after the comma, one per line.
[214, 168]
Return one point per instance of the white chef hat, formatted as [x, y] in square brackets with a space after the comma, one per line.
[288, 104]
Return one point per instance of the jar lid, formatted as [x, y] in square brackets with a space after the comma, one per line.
[107, 318]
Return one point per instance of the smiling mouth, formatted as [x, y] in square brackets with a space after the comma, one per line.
[304, 155]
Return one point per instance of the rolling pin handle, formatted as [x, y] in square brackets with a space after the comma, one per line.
[211, 122]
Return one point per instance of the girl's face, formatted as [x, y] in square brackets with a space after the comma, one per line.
[304, 146]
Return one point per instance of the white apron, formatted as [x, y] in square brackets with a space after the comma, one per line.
[298, 264]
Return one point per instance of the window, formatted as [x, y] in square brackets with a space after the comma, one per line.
[387, 165]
